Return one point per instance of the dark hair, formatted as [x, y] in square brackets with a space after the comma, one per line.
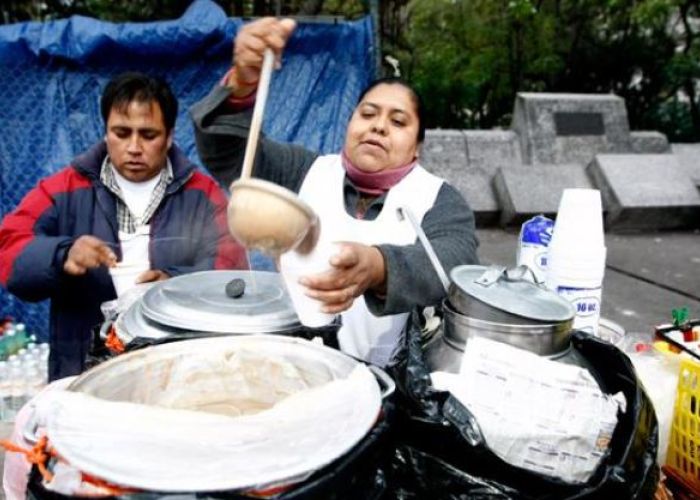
[133, 86]
[415, 97]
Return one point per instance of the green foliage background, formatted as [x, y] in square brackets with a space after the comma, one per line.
[470, 57]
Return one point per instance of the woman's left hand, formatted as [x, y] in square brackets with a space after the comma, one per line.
[356, 268]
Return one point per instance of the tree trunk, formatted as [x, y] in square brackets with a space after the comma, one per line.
[310, 7]
[260, 8]
[236, 8]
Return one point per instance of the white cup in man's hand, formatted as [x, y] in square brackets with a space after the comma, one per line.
[124, 275]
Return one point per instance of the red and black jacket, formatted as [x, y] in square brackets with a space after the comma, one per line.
[188, 233]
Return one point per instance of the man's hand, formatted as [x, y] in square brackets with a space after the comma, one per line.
[86, 253]
[356, 268]
[152, 275]
[249, 47]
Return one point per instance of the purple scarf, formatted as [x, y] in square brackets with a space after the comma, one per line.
[375, 183]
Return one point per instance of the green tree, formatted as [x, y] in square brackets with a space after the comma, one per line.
[470, 57]
[678, 109]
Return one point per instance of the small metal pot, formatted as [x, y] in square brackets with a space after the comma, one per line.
[545, 339]
[444, 351]
[501, 305]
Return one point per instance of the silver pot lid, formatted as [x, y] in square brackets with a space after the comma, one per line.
[232, 302]
[510, 291]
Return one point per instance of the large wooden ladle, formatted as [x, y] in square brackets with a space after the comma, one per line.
[262, 215]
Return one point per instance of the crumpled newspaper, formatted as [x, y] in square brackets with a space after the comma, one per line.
[534, 413]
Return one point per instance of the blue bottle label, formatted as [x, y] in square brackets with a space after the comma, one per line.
[537, 230]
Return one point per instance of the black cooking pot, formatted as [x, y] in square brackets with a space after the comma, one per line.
[356, 472]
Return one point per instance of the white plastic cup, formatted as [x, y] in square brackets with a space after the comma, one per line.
[583, 269]
[124, 275]
[293, 266]
[579, 222]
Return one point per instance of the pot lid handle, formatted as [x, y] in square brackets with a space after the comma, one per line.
[495, 273]
[235, 288]
[491, 276]
[522, 273]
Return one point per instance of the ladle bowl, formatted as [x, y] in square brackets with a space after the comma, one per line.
[267, 217]
[262, 215]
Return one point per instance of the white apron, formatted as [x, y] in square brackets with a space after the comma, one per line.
[364, 335]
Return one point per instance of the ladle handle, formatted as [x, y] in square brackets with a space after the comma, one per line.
[258, 112]
[404, 212]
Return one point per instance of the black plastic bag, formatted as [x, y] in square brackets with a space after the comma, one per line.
[441, 453]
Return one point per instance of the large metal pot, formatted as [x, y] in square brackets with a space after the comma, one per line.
[202, 303]
[141, 376]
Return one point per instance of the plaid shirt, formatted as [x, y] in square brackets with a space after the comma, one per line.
[126, 220]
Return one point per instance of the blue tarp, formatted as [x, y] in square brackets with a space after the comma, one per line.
[52, 75]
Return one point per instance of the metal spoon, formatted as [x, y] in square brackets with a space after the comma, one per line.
[405, 213]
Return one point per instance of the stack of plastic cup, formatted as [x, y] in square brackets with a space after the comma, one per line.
[576, 260]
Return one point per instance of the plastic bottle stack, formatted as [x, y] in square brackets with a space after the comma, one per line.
[576, 259]
[23, 368]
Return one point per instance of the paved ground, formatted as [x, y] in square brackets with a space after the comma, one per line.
[646, 275]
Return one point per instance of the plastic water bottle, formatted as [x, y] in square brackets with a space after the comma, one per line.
[4, 390]
[34, 379]
[9, 342]
[21, 336]
[533, 244]
[16, 386]
[43, 354]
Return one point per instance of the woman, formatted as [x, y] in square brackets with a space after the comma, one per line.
[381, 272]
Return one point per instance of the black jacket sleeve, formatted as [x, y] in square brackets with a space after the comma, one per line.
[221, 136]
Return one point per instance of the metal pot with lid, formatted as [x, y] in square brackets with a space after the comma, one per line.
[211, 303]
[498, 303]
[502, 295]
[503, 305]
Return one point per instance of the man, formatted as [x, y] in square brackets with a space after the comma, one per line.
[133, 197]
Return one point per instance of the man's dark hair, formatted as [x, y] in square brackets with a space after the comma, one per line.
[133, 86]
[415, 97]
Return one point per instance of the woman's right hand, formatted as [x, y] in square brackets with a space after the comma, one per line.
[249, 47]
